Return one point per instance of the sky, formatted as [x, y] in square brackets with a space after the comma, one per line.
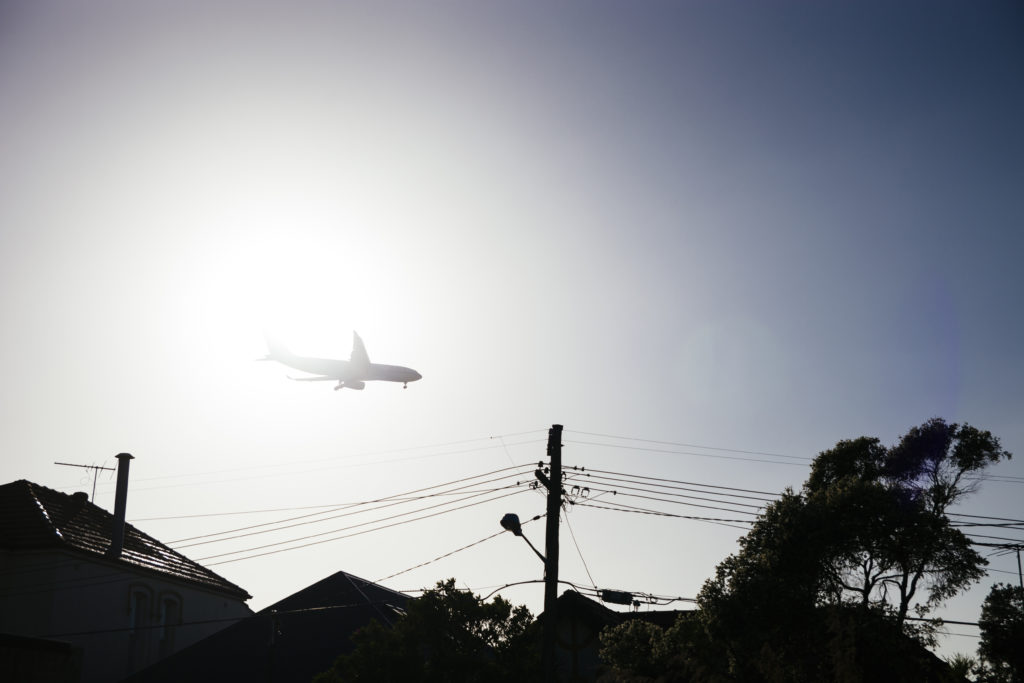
[711, 239]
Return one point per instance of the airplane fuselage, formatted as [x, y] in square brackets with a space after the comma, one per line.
[353, 373]
[347, 371]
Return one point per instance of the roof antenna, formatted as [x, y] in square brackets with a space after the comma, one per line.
[96, 470]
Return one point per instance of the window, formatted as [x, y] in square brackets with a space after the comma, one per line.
[170, 619]
[138, 608]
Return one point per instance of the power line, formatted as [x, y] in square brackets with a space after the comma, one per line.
[118, 577]
[457, 550]
[689, 445]
[622, 507]
[677, 481]
[596, 592]
[997, 538]
[257, 615]
[1005, 478]
[363, 464]
[672, 452]
[579, 552]
[604, 478]
[368, 454]
[1005, 519]
[678, 495]
[354, 512]
[318, 507]
[294, 472]
[675, 502]
[358, 533]
[402, 498]
[354, 526]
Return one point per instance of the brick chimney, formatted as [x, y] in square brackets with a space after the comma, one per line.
[120, 506]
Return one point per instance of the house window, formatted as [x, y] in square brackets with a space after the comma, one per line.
[141, 610]
[138, 609]
[170, 619]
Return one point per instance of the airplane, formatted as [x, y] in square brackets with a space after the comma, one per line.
[353, 373]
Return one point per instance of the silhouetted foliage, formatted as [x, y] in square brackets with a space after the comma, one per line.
[637, 650]
[962, 665]
[839, 643]
[1002, 635]
[885, 510]
[445, 635]
[822, 584]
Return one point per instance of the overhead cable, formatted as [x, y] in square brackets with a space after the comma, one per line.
[457, 550]
[400, 501]
[358, 533]
[689, 445]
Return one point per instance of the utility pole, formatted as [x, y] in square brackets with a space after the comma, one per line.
[554, 486]
[1020, 575]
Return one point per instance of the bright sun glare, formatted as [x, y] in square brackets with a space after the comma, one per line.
[307, 277]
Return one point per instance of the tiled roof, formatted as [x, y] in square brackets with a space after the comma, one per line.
[311, 628]
[37, 517]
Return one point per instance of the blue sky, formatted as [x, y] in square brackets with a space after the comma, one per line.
[757, 226]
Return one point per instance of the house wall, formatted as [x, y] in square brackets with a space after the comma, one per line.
[122, 619]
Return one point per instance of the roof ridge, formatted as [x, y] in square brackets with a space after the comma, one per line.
[351, 576]
[79, 524]
[52, 525]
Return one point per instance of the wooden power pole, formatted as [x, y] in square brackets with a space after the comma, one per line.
[554, 486]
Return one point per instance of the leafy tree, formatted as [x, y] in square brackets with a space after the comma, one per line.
[445, 635]
[759, 604]
[887, 508]
[962, 665]
[638, 650]
[1002, 635]
[629, 648]
[822, 573]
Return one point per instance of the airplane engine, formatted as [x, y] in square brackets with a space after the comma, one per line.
[358, 386]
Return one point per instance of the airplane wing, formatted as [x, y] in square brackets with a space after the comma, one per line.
[313, 379]
[359, 357]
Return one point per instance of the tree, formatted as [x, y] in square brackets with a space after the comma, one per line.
[962, 665]
[445, 635]
[898, 539]
[1002, 635]
[637, 650]
[629, 648]
[822, 571]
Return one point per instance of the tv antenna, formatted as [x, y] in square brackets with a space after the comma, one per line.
[95, 473]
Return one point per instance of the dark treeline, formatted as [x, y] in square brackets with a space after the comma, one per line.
[838, 581]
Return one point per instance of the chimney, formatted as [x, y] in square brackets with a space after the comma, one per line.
[120, 505]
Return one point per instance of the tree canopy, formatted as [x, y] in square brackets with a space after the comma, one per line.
[1002, 635]
[823, 585]
[446, 635]
[890, 542]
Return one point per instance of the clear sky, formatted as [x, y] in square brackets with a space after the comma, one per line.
[745, 225]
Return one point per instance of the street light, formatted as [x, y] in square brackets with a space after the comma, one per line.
[510, 522]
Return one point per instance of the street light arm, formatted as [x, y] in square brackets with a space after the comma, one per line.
[534, 549]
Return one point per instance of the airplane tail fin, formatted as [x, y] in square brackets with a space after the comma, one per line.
[359, 356]
[276, 349]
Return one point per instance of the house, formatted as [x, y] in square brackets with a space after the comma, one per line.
[74, 573]
[287, 642]
[35, 660]
[580, 621]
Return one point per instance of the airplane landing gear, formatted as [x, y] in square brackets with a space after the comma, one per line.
[405, 385]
